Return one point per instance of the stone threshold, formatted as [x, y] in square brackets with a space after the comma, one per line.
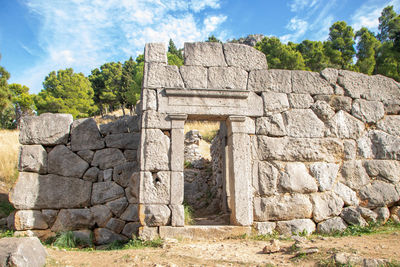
[203, 232]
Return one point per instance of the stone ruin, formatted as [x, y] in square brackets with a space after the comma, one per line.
[302, 151]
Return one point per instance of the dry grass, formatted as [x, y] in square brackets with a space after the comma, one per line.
[110, 117]
[208, 129]
[9, 147]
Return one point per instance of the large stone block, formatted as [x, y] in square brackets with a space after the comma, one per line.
[29, 219]
[33, 191]
[264, 228]
[156, 150]
[306, 82]
[337, 102]
[297, 179]
[63, 162]
[286, 207]
[298, 226]
[177, 187]
[325, 173]
[194, 76]
[123, 140]
[155, 188]
[105, 236]
[368, 111]
[86, 155]
[354, 175]
[330, 75]
[132, 191]
[351, 215]
[154, 215]
[323, 110]
[127, 124]
[348, 196]
[91, 174]
[244, 56]
[295, 149]
[332, 225]
[163, 76]
[206, 54]
[343, 125]
[275, 102]
[177, 215]
[386, 169]
[384, 146]
[46, 129]
[22, 252]
[300, 100]
[155, 120]
[131, 229]
[390, 125]
[32, 158]
[117, 206]
[378, 194]
[267, 179]
[271, 125]
[227, 78]
[122, 173]
[115, 225]
[108, 158]
[131, 213]
[303, 123]
[106, 191]
[155, 52]
[326, 205]
[85, 135]
[270, 80]
[73, 219]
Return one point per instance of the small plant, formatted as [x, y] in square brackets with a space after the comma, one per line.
[135, 244]
[68, 240]
[188, 165]
[188, 212]
[6, 233]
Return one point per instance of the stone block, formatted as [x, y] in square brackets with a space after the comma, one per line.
[354, 175]
[352, 216]
[46, 129]
[384, 146]
[155, 52]
[378, 194]
[154, 215]
[49, 216]
[323, 110]
[264, 228]
[296, 227]
[105, 236]
[343, 125]
[105, 175]
[326, 205]
[325, 173]
[63, 162]
[132, 191]
[275, 102]
[32, 158]
[91, 174]
[286, 207]
[267, 179]
[34, 191]
[84, 235]
[85, 135]
[148, 233]
[115, 225]
[101, 214]
[350, 149]
[395, 213]
[177, 215]
[303, 123]
[103, 192]
[86, 155]
[156, 150]
[73, 219]
[131, 229]
[130, 155]
[270, 80]
[330, 75]
[297, 179]
[155, 188]
[383, 214]
[337, 102]
[206, 54]
[122, 173]
[22, 251]
[117, 206]
[177, 149]
[306, 82]
[155, 120]
[130, 214]
[194, 76]
[149, 99]
[177, 187]
[244, 56]
[227, 78]
[389, 170]
[126, 124]
[348, 196]
[163, 76]
[123, 140]
[367, 214]
[390, 125]
[368, 111]
[204, 232]
[301, 101]
[108, 158]
[271, 125]
[29, 219]
[332, 225]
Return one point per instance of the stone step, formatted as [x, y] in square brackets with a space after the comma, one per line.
[203, 232]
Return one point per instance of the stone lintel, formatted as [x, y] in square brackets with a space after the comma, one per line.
[241, 94]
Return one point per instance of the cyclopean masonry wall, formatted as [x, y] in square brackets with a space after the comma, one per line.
[305, 151]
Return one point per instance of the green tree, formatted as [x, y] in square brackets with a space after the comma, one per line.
[131, 81]
[387, 15]
[66, 92]
[4, 92]
[22, 101]
[388, 61]
[213, 39]
[280, 56]
[173, 50]
[366, 48]
[313, 54]
[339, 47]
[174, 60]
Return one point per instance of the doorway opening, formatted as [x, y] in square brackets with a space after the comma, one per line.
[205, 184]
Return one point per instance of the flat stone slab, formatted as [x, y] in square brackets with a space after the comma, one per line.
[24, 251]
[203, 232]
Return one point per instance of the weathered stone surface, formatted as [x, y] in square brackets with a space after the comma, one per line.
[85, 135]
[352, 216]
[156, 150]
[101, 214]
[204, 232]
[132, 191]
[131, 229]
[22, 252]
[303, 123]
[323, 110]
[227, 78]
[301, 101]
[368, 111]
[91, 174]
[194, 76]
[332, 225]
[296, 227]
[46, 129]
[270, 80]
[286, 207]
[354, 175]
[105, 175]
[275, 102]
[177, 215]
[354, 84]
[268, 178]
[130, 155]
[207, 54]
[29, 219]
[350, 149]
[117, 206]
[271, 125]
[378, 194]
[33, 191]
[155, 187]
[122, 173]
[349, 196]
[123, 140]
[297, 179]
[149, 99]
[386, 169]
[306, 82]
[32, 158]
[115, 225]
[155, 120]
[86, 155]
[155, 52]
[63, 162]
[49, 216]
[367, 214]
[264, 228]
[325, 173]
[161, 76]
[148, 233]
[337, 102]
[326, 205]
[390, 125]
[330, 75]
[294, 149]
[108, 158]
[127, 124]
[383, 214]
[395, 213]
[131, 213]
[384, 146]
[106, 236]
[343, 125]
[155, 215]
[106, 191]
[244, 56]
[73, 219]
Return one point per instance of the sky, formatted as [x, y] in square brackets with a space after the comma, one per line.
[40, 36]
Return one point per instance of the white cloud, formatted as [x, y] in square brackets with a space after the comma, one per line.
[298, 26]
[298, 5]
[83, 34]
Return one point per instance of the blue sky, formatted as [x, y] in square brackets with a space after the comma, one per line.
[39, 36]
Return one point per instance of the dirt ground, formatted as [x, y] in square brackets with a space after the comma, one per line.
[234, 252]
